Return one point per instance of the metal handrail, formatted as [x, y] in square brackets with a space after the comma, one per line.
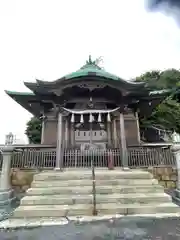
[94, 211]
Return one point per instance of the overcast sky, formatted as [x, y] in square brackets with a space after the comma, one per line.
[46, 39]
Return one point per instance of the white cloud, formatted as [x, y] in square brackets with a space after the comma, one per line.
[46, 39]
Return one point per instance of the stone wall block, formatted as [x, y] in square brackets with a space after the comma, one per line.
[160, 171]
[159, 177]
[170, 184]
[169, 170]
[173, 177]
[163, 183]
[21, 178]
[165, 177]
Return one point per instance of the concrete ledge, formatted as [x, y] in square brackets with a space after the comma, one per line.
[176, 196]
[99, 182]
[39, 222]
[100, 198]
[55, 211]
[6, 197]
[177, 193]
[58, 169]
[99, 190]
[100, 174]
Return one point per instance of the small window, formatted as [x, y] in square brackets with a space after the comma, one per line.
[94, 133]
[84, 134]
[78, 133]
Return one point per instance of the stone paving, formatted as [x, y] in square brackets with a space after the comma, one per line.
[127, 228]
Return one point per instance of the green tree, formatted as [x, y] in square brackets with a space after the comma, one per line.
[33, 130]
[167, 114]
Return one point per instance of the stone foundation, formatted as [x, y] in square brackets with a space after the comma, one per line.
[167, 176]
[21, 180]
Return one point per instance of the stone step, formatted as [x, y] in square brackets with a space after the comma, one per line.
[87, 174]
[87, 209]
[88, 199]
[87, 182]
[68, 190]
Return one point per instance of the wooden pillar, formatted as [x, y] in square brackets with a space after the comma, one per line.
[66, 133]
[123, 141]
[109, 134]
[42, 131]
[115, 133]
[72, 135]
[138, 129]
[59, 148]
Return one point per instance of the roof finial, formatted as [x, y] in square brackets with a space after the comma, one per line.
[89, 61]
[93, 64]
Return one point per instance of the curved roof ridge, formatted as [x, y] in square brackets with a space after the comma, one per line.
[89, 69]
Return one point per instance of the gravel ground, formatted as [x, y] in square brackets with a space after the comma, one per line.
[125, 228]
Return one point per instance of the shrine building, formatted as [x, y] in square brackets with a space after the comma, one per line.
[89, 108]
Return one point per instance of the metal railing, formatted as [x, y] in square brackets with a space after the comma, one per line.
[150, 156]
[138, 157]
[34, 159]
[84, 159]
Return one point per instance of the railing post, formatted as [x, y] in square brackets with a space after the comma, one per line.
[6, 192]
[94, 211]
[176, 151]
[110, 160]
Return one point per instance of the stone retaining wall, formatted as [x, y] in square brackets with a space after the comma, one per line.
[167, 176]
[21, 180]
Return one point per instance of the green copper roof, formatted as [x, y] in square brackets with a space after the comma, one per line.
[92, 68]
[11, 93]
[26, 100]
[89, 71]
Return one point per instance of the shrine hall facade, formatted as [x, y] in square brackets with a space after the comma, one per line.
[89, 107]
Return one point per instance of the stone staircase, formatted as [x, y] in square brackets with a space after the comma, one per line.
[69, 193]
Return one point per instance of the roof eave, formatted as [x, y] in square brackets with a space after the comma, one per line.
[31, 85]
[24, 104]
[70, 77]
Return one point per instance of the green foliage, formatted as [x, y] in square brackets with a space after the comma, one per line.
[33, 130]
[150, 78]
[167, 114]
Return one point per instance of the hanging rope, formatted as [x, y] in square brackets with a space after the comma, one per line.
[88, 111]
